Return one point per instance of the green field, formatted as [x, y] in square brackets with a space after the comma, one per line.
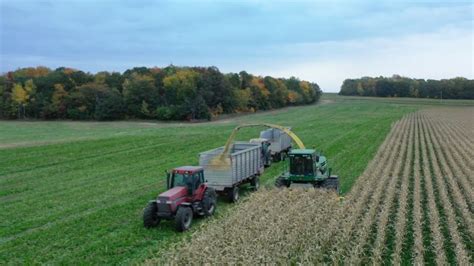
[73, 192]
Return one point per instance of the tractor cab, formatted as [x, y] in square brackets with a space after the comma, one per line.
[190, 177]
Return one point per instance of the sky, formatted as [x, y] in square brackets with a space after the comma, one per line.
[320, 41]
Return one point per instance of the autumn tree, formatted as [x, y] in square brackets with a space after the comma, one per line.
[24, 74]
[5, 99]
[278, 92]
[349, 87]
[245, 79]
[317, 92]
[294, 98]
[20, 96]
[57, 108]
[114, 81]
[94, 101]
[181, 89]
[216, 90]
[259, 94]
[109, 105]
[398, 86]
[138, 89]
[165, 93]
[307, 90]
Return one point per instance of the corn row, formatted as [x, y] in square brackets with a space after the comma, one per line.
[417, 215]
[461, 121]
[402, 209]
[379, 177]
[381, 158]
[434, 215]
[458, 144]
[389, 175]
[462, 163]
[461, 133]
[461, 254]
[384, 213]
[460, 200]
[347, 217]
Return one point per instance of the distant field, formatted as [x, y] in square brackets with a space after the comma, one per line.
[403, 100]
[73, 192]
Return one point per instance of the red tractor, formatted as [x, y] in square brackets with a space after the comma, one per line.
[187, 195]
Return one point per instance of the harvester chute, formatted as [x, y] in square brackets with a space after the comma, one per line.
[231, 138]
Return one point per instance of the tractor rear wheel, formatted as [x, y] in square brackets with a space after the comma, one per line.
[255, 183]
[233, 194]
[209, 202]
[150, 215]
[332, 183]
[183, 219]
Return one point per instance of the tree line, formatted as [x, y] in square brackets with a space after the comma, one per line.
[170, 93]
[397, 86]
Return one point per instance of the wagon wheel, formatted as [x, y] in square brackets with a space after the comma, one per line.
[233, 194]
[255, 183]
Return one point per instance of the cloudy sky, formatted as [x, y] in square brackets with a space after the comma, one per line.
[321, 41]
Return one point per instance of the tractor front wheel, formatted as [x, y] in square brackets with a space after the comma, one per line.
[150, 215]
[183, 219]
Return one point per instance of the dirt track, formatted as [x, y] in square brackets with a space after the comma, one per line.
[413, 204]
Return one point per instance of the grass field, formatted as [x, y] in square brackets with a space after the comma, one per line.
[73, 192]
[412, 205]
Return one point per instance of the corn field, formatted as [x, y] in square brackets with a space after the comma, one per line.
[413, 204]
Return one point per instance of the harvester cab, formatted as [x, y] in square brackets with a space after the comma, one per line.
[308, 166]
[187, 195]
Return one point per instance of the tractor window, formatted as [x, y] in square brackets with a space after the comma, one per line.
[197, 180]
[201, 177]
[301, 165]
[182, 180]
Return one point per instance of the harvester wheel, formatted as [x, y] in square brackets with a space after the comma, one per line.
[233, 194]
[150, 215]
[332, 182]
[255, 183]
[209, 202]
[281, 182]
[183, 219]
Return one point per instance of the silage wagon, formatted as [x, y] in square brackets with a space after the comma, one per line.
[243, 164]
[280, 142]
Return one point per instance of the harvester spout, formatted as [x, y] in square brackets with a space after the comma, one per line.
[229, 142]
